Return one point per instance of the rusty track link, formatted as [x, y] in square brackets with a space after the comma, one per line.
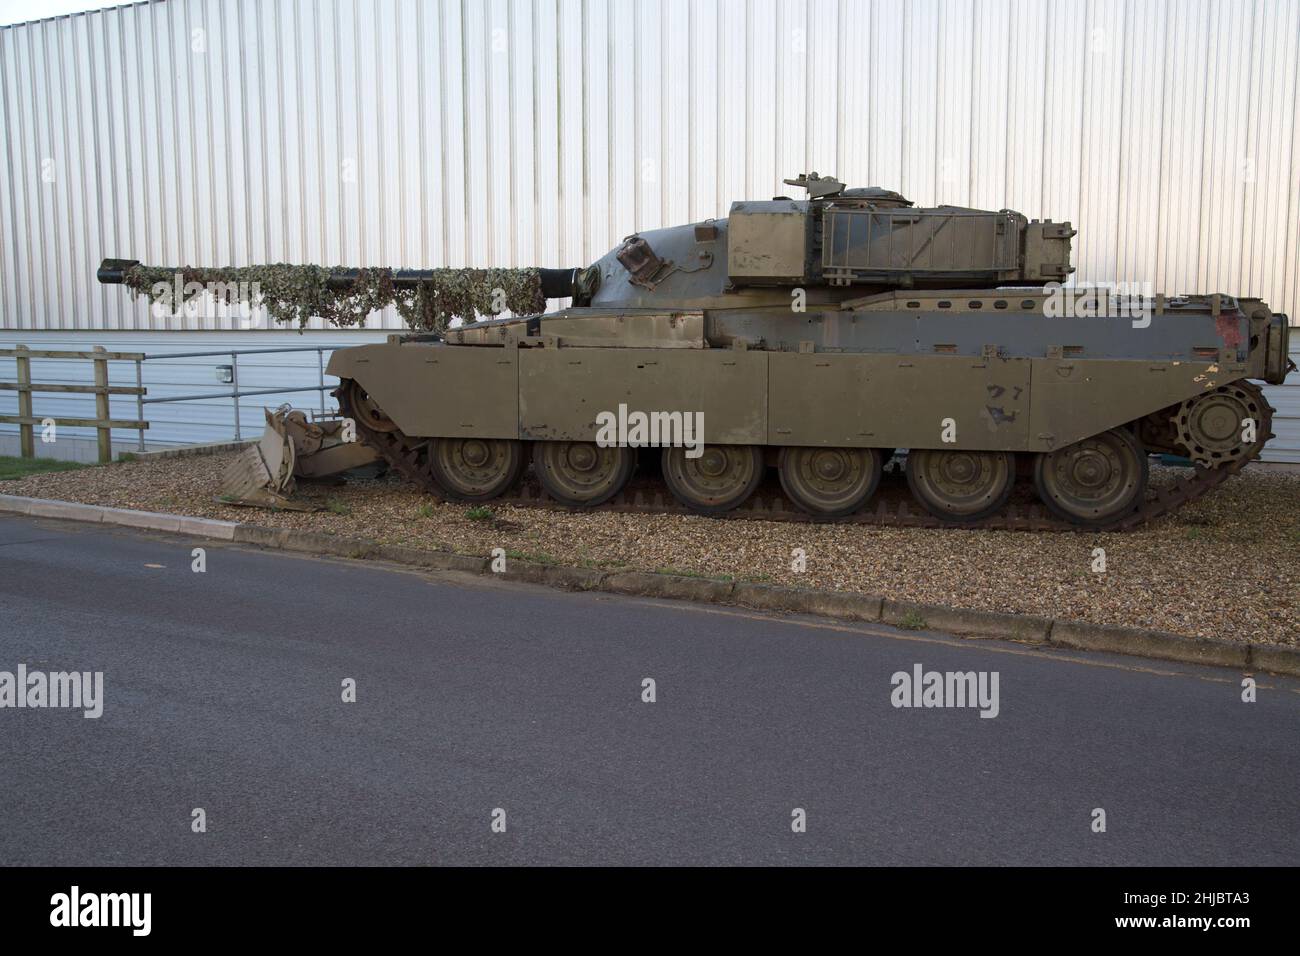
[408, 457]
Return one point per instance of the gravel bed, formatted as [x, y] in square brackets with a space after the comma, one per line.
[1226, 566]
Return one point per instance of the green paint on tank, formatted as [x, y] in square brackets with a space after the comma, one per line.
[845, 326]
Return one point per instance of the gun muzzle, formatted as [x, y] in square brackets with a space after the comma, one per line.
[113, 271]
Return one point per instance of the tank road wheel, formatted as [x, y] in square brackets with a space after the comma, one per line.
[365, 410]
[1095, 481]
[717, 481]
[581, 473]
[830, 482]
[475, 469]
[961, 486]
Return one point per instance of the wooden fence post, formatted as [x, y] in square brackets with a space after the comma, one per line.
[26, 439]
[104, 433]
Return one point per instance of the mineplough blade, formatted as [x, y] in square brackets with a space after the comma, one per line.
[265, 475]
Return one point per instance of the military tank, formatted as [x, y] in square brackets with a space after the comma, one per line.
[821, 338]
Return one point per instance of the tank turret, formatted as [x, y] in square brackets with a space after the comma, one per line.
[848, 241]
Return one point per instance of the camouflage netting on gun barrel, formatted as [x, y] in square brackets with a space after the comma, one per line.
[297, 293]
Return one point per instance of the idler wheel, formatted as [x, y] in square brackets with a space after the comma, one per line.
[581, 473]
[1210, 428]
[961, 486]
[720, 479]
[830, 482]
[1095, 481]
[475, 469]
[364, 409]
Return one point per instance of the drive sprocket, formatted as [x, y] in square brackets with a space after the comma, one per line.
[1225, 424]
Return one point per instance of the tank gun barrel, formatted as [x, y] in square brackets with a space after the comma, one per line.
[556, 283]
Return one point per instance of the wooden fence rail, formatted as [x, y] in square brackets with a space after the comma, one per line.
[26, 420]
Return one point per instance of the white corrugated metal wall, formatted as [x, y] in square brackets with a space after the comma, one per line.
[507, 132]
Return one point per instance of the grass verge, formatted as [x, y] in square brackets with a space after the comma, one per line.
[14, 468]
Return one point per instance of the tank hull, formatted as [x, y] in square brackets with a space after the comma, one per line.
[1015, 381]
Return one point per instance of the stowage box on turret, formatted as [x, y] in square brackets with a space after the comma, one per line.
[822, 337]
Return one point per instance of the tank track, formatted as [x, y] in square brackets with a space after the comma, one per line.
[407, 457]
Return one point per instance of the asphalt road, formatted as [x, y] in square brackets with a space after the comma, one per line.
[222, 691]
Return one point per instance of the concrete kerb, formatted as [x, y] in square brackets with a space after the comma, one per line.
[841, 604]
[1023, 628]
[433, 560]
[1273, 659]
[552, 575]
[674, 586]
[1154, 644]
[71, 511]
